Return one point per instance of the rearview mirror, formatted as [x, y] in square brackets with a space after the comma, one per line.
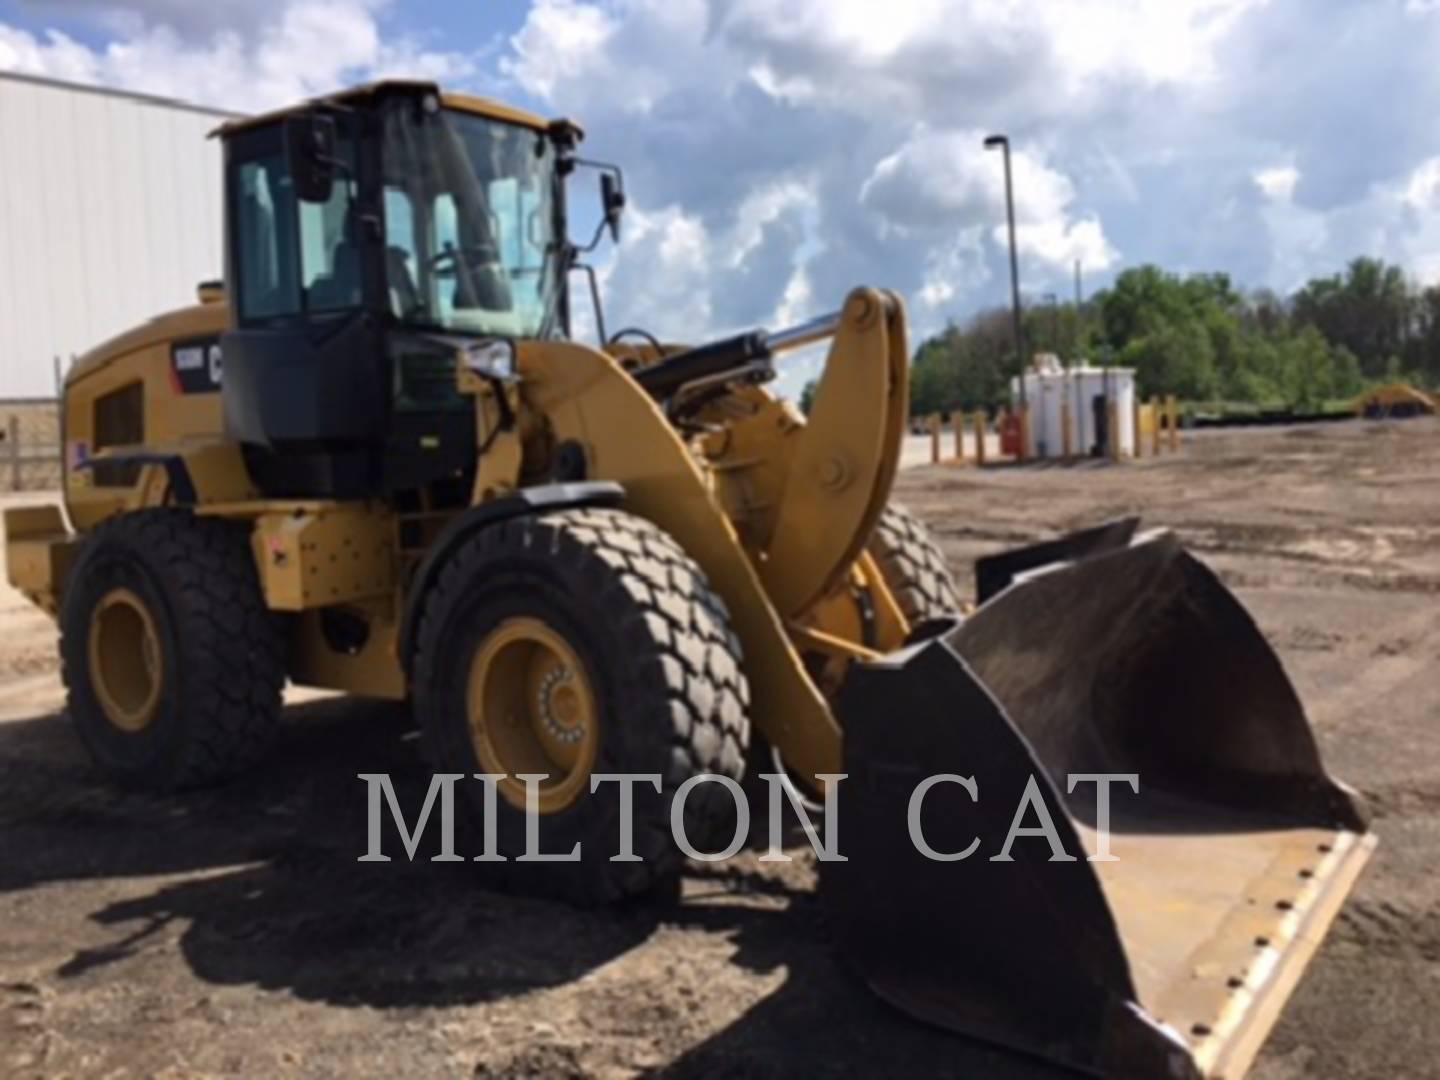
[310, 154]
[612, 202]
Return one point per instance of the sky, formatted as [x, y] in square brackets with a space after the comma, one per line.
[780, 152]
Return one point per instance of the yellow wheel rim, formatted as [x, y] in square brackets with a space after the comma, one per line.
[126, 664]
[531, 709]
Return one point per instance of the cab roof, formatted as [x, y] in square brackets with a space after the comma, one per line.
[495, 110]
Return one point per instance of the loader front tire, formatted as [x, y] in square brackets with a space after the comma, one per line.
[571, 644]
[172, 664]
[913, 566]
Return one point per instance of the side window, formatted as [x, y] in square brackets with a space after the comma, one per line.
[292, 257]
[520, 238]
[265, 207]
[402, 256]
[329, 259]
[445, 224]
[445, 236]
[119, 421]
[505, 220]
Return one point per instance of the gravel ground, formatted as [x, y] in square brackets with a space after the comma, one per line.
[233, 931]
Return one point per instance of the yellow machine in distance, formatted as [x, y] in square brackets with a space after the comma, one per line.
[378, 462]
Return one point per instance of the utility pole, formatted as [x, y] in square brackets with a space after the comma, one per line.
[1079, 303]
[1002, 142]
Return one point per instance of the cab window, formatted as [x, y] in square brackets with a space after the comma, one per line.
[292, 258]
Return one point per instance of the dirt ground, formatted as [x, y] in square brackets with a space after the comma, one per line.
[235, 932]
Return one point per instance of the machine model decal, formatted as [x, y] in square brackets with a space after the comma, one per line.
[195, 366]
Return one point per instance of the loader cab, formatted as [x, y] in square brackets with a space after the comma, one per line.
[370, 237]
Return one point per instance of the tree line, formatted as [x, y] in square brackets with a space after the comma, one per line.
[1203, 339]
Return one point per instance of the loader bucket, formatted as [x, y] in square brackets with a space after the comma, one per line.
[1230, 862]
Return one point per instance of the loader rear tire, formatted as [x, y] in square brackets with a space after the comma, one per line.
[172, 663]
[604, 608]
[913, 566]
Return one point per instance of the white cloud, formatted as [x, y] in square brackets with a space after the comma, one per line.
[233, 59]
[1279, 182]
[944, 181]
[665, 275]
[191, 20]
[761, 208]
[562, 40]
[949, 272]
[1398, 219]
[1421, 190]
[666, 258]
[744, 110]
[51, 54]
[922, 55]
[1155, 43]
[779, 152]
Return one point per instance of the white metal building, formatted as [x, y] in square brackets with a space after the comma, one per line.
[110, 212]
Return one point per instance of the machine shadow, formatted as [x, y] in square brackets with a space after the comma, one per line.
[272, 896]
[822, 1020]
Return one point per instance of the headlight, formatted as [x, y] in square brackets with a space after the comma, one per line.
[492, 358]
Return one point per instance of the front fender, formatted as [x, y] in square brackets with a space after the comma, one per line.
[531, 500]
[587, 398]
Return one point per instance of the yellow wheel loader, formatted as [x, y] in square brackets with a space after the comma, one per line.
[1088, 820]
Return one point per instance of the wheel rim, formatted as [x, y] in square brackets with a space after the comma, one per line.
[126, 664]
[532, 709]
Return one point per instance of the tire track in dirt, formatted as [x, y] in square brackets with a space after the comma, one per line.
[1391, 929]
[1404, 799]
[23, 1035]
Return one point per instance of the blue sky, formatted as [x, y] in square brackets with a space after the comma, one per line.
[781, 151]
[469, 22]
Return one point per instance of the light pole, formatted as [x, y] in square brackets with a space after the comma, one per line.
[1002, 142]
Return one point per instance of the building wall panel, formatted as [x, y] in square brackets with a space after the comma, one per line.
[110, 213]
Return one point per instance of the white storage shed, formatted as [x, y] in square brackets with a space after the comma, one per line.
[1086, 394]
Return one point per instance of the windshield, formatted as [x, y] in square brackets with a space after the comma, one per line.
[470, 223]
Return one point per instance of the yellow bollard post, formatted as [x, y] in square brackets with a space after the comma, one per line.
[1155, 425]
[957, 420]
[1173, 408]
[934, 438]
[1067, 433]
[1112, 432]
[979, 436]
[1138, 442]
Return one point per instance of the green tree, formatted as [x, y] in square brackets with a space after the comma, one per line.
[965, 368]
[1307, 375]
[1349, 380]
[1176, 358]
[1201, 337]
[1368, 309]
[807, 396]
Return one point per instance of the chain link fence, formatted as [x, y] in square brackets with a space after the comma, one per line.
[29, 444]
